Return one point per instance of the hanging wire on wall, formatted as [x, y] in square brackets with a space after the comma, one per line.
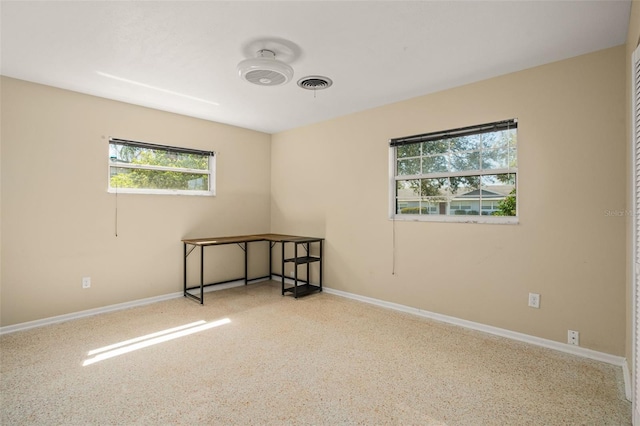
[393, 232]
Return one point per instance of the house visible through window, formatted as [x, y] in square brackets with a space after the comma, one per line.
[453, 174]
[140, 167]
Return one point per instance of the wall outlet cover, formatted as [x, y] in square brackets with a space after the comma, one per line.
[573, 337]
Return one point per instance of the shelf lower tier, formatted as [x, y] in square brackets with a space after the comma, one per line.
[303, 290]
[303, 259]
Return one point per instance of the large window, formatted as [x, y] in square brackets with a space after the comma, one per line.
[462, 175]
[140, 167]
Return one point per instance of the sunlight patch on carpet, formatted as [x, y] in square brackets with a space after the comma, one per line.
[131, 345]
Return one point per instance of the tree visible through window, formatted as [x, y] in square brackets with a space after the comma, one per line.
[470, 171]
[147, 168]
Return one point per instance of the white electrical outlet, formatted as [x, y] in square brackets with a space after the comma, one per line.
[534, 300]
[573, 337]
[86, 282]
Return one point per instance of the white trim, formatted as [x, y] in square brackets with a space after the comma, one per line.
[184, 170]
[538, 341]
[482, 172]
[634, 232]
[87, 313]
[111, 308]
[563, 347]
[210, 173]
[394, 178]
[626, 374]
[160, 191]
[496, 220]
[392, 183]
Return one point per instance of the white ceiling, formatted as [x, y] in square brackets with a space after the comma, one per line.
[181, 56]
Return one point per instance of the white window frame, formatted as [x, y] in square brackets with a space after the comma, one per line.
[393, 178]
[210, 173]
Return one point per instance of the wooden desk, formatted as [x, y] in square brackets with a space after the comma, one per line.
[243, 241]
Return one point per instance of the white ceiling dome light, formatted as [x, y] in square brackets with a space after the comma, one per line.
[265, 69]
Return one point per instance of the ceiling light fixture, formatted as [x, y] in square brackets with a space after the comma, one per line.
[265, 69]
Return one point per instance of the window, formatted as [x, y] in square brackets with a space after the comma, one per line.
[454, 174]
[143, 168]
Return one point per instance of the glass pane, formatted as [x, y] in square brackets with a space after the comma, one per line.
[434, 164]
[499, 194]
[435, 187]
[412, 207]
[464, 161]
[513, 157]
[461, 185]
[468, 205]
[475, 209]
[507, 207]
[409, 167]
[502, 184]
[157, 179]
[412, 150]
[408, 188]
[495, 158]
[466, 199]
[157, 157]
[465, 143]
[494, 139]
[434, 205]
[511, 137]
[435, 147]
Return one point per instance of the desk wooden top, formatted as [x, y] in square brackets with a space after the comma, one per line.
[278, 238]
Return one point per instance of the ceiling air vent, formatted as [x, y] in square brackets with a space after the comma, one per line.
[315, 82]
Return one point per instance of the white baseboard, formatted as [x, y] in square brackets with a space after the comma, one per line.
[627, 380]
[111, 308]
[87, 313]
[563, 347]
[551, 344]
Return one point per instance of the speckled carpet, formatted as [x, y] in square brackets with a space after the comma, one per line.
[251, 356]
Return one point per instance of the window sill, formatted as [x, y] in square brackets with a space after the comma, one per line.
[497, 220]
[160, 192]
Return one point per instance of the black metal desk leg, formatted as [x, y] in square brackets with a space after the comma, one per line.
[185, 269]
[201, 275]
[306, 247]
[295, 270]
[282, 270]
[320, 265]
[246, 261]
[270, 259]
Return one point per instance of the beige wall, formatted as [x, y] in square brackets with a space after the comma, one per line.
[331, 179]
[58, 219]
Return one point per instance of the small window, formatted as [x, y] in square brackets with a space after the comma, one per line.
[453, 174]
[144, 168]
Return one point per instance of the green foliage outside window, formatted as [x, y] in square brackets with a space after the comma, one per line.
[507, 207]
[123, 176]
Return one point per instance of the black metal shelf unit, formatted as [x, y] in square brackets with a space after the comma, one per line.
[302, 287]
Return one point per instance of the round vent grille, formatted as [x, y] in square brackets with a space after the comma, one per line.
[263, 77]
[315, 82]
[265, 70]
